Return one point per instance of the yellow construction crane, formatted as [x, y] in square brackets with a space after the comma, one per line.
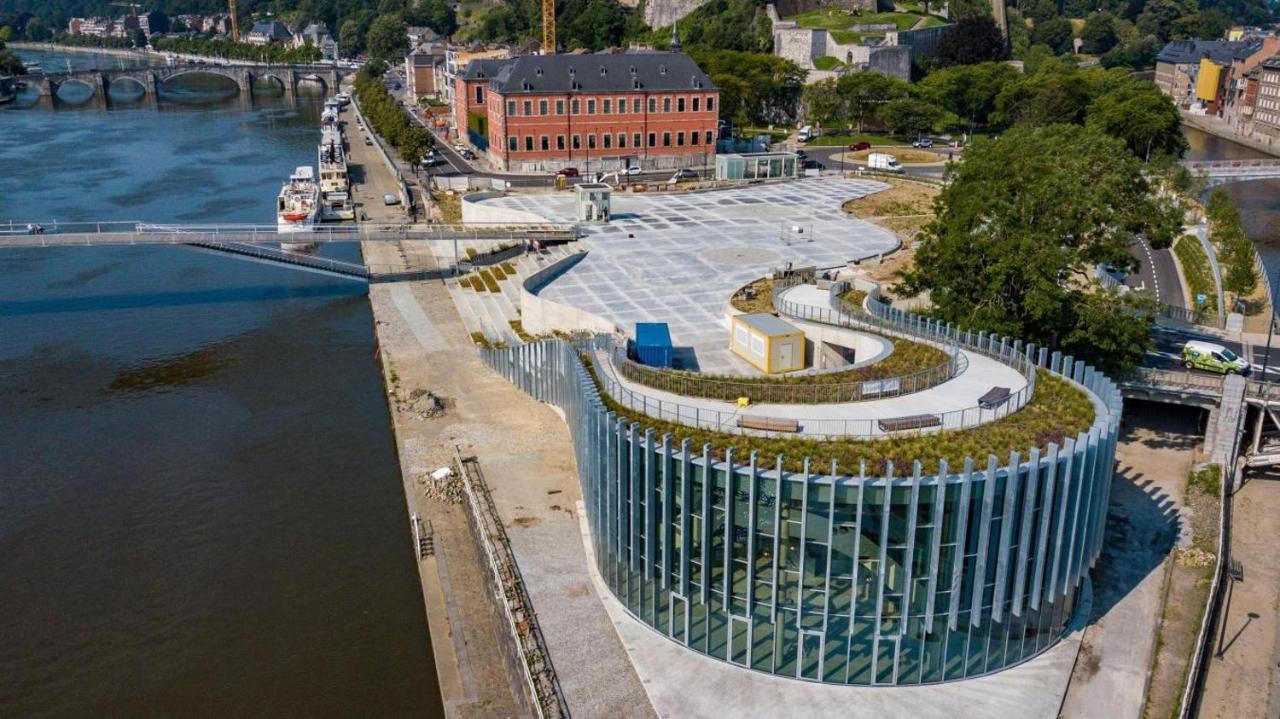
[548, 27]
[235, 25]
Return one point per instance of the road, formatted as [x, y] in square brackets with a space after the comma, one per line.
[1157, 273]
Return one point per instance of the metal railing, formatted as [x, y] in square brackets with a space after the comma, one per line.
[802, 389]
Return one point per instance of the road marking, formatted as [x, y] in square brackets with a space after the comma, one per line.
[423, 330]
[1151, 262]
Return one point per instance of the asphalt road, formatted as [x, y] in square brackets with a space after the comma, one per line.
[1157, 273]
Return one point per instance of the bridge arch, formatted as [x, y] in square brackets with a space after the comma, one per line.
[87, 83]
[130, 81]
[202, 71]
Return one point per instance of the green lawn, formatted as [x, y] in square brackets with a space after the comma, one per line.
[839, 19]
[826, 62]
[1195, 267]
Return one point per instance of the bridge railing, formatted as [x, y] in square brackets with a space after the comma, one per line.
[1208, 166]
[248, 232]
[1184, 380]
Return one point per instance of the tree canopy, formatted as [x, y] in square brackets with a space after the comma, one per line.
[1019, 228]
[974, 39]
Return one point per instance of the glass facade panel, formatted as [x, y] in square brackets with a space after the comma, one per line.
[846, 580]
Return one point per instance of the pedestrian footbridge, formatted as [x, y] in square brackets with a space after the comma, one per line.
[1221, 172]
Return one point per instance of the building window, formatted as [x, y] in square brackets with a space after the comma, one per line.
[680, 104]
[513, 143]
[577, 142]
[635, 106]
[542, 107]
[653, 105]
[608, 139]
[695, 104]
[511, 107]
[528, 143]
[575, 108]
[666, 139]
[679, 139]
[559, 142]
[559, 107]
[635, 140]
[546, 143]
[666, 104]
[622, 106]
[608, 106]
[591, 107]
[528, 108]
[708, 137]
[479, 94]
[653, 142]
[711, 104]
[622, 140]
[591, 141]
[693, 137]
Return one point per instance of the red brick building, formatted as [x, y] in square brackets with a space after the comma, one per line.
[656, 110]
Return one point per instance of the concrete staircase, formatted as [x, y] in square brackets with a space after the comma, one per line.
[492, 313]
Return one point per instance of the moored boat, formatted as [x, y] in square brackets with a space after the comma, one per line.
[298, 205]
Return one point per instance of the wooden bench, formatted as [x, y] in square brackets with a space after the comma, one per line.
[994, 397]
[768, 424]
[914, 421]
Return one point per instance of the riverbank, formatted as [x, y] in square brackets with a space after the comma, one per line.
[1221, 128]
[112, 51]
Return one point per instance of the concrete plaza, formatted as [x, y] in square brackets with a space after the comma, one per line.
[678, 257]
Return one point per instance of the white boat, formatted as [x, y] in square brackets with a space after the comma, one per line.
[298, 206]
[335, 187]
[343, 99]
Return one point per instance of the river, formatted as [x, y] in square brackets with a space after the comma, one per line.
[201, 510]
[1259, 201]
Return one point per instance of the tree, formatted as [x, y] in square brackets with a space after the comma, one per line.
[6, 32]
[1234, 248]
[760, 88]
[350, 38]
[971, 41]
[1055, 33]
[37, 30]
[1203, 24]
[863, 93]
[1138, 53]
[1020, 226]
[1159, 17]
[1142, 116]
[1098, 34]
[139, 38]
[387, 38]
[438, 15]
[909, 115]
[823, 102]
[1038, 11]
[969, 91]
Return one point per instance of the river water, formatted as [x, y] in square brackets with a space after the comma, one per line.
[201, 510]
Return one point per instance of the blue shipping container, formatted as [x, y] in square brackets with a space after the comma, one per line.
[653, 344]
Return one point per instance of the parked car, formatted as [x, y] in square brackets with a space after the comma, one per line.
[860, 146]
[633, 171]
[1212, 357]
[390, 199]
[568, 172]
[923, 143]
[814, 165]
[802, 155]
[467, 154]
[685, 173]
[367, 141]
[957, 144]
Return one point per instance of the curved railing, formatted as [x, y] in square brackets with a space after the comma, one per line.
[879, 317]
[601, 349]
[792, 390]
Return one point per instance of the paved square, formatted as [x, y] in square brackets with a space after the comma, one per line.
[678, 258]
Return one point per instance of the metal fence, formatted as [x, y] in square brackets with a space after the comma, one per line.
[527, 656]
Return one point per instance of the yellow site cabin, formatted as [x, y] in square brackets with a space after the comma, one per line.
[768, 343]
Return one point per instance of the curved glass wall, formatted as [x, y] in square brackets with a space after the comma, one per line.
[841, 578]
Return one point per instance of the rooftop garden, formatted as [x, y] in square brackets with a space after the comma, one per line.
[841, 22]
[1057, 410]
[920, 365]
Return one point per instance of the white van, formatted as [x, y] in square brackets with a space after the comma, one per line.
[884, 162]
[806, 133]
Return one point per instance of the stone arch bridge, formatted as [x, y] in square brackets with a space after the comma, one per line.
[151, 78]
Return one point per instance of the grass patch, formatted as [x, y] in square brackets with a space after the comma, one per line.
[826, 62]
[1056, 411]
[841, 19]
[488, 280]
[518, 327]
[450, 206]
[854, 297]
[1195, 267]
[761, 302]
[906, 157]
[1207, 480]
[507, 267]
[908, 357]
[471, 253]
[498, 273]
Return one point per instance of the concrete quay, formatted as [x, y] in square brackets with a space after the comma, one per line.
[523, 448]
